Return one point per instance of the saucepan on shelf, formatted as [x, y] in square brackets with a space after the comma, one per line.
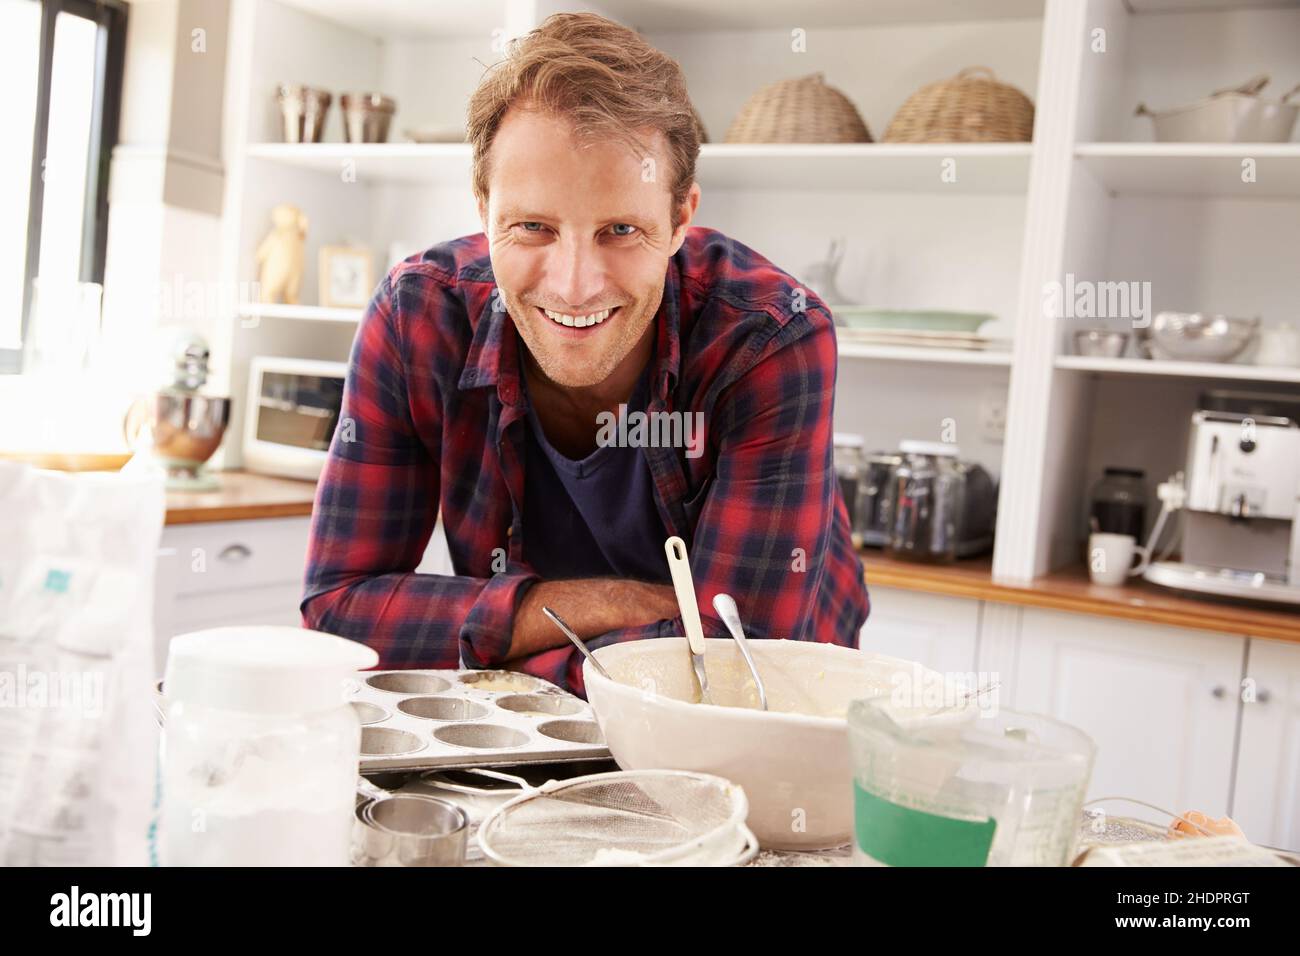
[1235, 115]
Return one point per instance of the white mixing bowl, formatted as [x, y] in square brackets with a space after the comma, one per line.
[792, 760]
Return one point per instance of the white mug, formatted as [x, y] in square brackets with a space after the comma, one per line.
[1110, 558]
[1279, 345]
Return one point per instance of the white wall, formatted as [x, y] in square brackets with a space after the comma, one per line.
[887, 402]
[432, 80]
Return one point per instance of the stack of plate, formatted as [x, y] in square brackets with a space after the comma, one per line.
[926, 329]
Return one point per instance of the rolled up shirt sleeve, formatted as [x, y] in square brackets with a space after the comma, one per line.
[375, 510]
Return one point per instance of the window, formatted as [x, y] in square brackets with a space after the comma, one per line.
[63, 63]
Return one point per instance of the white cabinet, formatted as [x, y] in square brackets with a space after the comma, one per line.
[228, 572]
[1160, 702]
[1267, 797]
[939, 632]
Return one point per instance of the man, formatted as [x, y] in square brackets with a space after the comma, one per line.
[585, 378]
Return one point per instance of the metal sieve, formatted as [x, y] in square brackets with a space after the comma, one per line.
[626, 818]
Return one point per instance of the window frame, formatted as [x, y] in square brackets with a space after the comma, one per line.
[110, 57]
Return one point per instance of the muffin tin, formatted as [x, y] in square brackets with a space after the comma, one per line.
[427, 719]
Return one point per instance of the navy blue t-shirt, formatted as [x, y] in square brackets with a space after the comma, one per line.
[595, 517]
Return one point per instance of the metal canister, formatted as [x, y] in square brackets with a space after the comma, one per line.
[366, 117]
[874, 498]
[302, 112]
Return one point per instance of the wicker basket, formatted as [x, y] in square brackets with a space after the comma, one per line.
[802, 110]
[972, 107]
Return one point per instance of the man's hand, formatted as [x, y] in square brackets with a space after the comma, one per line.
[591, 607]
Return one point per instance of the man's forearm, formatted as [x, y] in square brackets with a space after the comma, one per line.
[590, 606]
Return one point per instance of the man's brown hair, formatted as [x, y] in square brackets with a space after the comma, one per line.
[601, 76]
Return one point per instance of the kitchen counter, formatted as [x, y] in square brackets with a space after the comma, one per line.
[1071, 590]
[242, 495]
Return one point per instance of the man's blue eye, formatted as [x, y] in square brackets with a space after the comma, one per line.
[532, 226]
[618, 228]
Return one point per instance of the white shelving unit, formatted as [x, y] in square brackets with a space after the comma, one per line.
[996, 168]
[302, 313]
[446, 164]
[1091, 196]
[1192, 226]
[1204, 170]
[925, 356]
[1226, 371]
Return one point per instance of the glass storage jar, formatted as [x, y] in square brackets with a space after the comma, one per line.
[1118, 503]
[925, 503]
[261, 747]
[851, 472]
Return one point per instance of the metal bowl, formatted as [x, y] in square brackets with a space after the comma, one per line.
[1100, 343]
[366, 117]
[188, 428]
[408, 829]
[181, 430]
[1197, 337]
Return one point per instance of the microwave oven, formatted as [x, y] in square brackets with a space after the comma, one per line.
[292, 411]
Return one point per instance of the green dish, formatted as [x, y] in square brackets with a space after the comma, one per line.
[860, 317]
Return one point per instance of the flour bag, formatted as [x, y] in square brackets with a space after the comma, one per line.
[77, 739]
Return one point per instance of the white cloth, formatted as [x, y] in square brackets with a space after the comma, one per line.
[78, 744]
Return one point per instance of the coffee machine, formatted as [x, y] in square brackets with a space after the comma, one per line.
[1239, 502]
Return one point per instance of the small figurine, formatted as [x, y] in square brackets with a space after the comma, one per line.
[280, 256]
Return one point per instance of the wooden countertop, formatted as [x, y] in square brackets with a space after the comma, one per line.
[1070, 590]
[242, 496]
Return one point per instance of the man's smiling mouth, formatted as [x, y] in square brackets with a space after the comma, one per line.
[578, 321]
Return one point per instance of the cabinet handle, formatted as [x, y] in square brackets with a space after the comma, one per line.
[1219, 692]
[235, 552]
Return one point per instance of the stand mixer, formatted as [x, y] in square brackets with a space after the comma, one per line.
[177, 427]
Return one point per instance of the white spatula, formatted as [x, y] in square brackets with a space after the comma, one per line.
[680, 568]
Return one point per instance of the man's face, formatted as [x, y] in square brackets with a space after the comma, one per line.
[580, 241]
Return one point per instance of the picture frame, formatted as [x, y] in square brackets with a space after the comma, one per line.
[346, 276]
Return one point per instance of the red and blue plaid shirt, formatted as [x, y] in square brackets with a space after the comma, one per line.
[433, 417]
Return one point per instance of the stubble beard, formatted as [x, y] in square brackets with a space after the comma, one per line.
[547, 351]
